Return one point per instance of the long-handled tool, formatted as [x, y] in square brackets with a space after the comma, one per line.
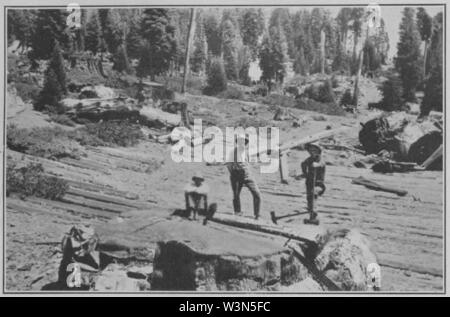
[275, 218]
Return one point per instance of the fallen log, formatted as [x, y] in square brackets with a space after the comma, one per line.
[312, 138]
[375, 186]
[166, 118]
[312, 235]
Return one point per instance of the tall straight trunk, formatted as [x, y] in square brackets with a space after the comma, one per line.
[358, 72]
[425, 53]
[188, 49]
[322, 52]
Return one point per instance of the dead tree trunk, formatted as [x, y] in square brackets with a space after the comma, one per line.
[322, 52]
[188, 49]
[358, 72]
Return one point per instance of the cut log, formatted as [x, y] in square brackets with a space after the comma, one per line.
[401, 135]
[311, 138]
[154, 114]
[375, 186]
[312, 235]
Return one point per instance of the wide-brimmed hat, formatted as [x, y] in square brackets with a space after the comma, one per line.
[198, 175]
[313, 146]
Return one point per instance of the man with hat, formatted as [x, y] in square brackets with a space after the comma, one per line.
[313, 169]
[240, 175]
[196, 191]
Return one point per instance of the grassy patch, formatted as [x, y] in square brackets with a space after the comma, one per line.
[30, 180]
[325, 108]
[50, 143]
[231, 93]
[62, 119]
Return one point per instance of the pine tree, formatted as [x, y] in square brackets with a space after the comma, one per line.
[50, 27]
[160, 49]
[424, 24]
[213, 35]
[302, 39]
[57, 65]
[252, 28]
[93, 34]
[133, 38]
[273, 55]
[110, 32]
[392, 92]
[229, 49]
[281, 19]
[371, 60]
[408, 60]
[50, 95]
[54, 84]
[120, 60]
[20, 24]
[198, 58]
[217, 79]
[433, 85]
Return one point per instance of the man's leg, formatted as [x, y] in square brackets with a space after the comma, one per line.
[186, 198]
[236, 186]
[253, 187]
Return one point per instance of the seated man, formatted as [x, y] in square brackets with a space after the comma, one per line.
[195, 191]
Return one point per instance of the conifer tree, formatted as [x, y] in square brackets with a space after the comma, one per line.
[434, 81]
[160, 49]
[93, 34]
[408, 60]
[54, 84]
[50, 27]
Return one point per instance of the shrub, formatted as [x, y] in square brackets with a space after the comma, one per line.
[392, 92]
[325, 108]
[194, 84]
[217, 80]
[255, 122]
[279, 100]
[231, 93]
[50, 143]
[322, 93]
[62, 119]
[120, 133]
[27, 91]
[30, 180]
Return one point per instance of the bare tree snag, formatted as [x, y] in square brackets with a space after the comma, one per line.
[188, 49]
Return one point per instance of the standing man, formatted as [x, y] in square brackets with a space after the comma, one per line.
[240, 175]
[313, 169]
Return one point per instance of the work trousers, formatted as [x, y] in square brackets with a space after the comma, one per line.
[238, 180]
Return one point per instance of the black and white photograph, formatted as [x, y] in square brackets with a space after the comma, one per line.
[213, 148]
